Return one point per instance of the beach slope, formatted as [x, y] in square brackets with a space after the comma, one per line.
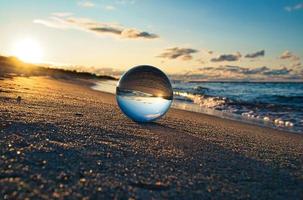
[60, 139]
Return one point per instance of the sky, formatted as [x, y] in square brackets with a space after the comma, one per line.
[214, 40]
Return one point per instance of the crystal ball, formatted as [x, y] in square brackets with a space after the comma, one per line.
[144, 93]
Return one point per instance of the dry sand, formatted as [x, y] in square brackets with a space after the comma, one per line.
[64, 140]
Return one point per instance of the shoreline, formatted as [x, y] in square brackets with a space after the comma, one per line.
[253, 122]
[210, 112]
[64, 140]
[247, 124]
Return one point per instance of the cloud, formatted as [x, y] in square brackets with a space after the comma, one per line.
[106, 29]
[201, 61]
[52, 22]
[86, 4]
[298, 6]
[283, 71]
[257, 70]
[253, 71]
[243, 70]
[62, 14]
[110, 7]
[255, 54]
[227, 57]
[286, 55]
[208, 52]
[232, 72]
[176, 52]
[96, 27]
[289, 55]
[133, 33]
[296, 64]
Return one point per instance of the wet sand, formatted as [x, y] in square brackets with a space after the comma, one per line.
[64, 140]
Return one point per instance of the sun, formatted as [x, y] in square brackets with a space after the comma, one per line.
[28, 50]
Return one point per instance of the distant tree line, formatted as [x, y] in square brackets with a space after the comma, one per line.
[12, 66]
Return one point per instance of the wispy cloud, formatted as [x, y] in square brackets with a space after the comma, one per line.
[298, 6]
[231, 72]
[96, 27]
[86, 4]
[176, 52]
[109, 7]
[52, 22]
[227, 57]
[296, 64]
[62, 14]
[255, 54]
[289, 55]
[201, 61]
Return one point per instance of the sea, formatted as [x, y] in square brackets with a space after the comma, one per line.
[277, 105]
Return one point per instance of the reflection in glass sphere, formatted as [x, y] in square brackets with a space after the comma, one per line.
[144, 93]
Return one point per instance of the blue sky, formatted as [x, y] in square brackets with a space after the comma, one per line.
[177, 36]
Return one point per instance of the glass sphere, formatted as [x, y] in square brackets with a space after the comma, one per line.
[144, 93]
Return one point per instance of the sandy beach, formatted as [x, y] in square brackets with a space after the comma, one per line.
[63, 140]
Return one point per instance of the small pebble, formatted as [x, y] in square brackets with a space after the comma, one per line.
[79, 114]
[19, 99]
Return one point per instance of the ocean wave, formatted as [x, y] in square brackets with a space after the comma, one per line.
[276, 114]
[195, 90]
[202, 100]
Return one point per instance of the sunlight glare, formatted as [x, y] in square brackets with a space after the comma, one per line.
[28, 50]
